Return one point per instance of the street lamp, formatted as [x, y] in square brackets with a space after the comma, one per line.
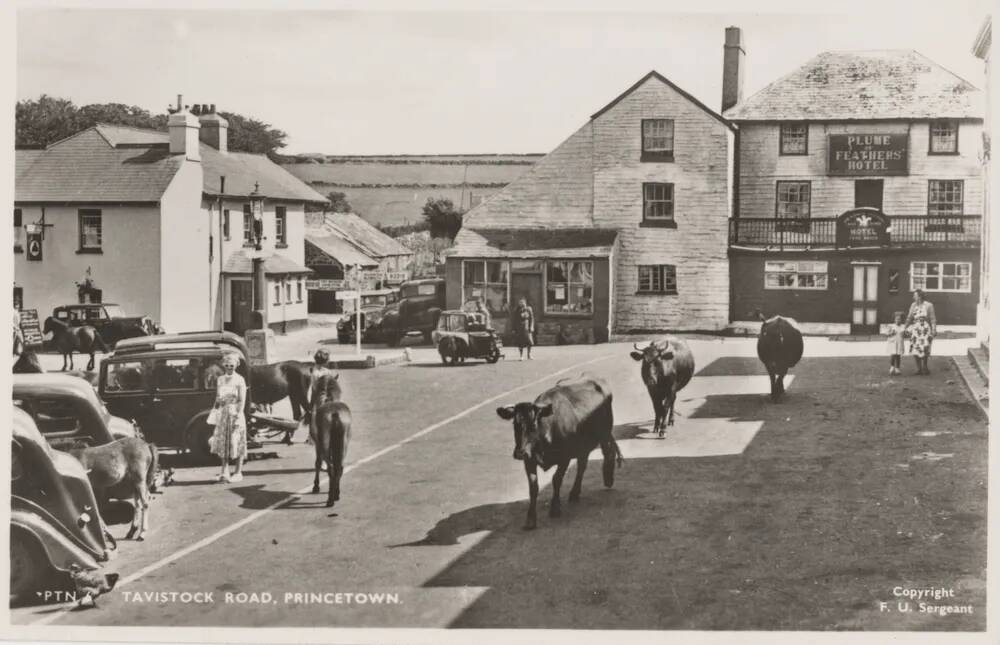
[257, 212]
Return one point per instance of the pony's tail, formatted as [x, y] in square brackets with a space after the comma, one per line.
[99, 343]
[153, 467]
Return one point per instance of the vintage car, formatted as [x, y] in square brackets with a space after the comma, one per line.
[53, 518]
[373, 304]
[420, 304]
[109, 319]
[461, 334]
[167, 384]
[67, 412]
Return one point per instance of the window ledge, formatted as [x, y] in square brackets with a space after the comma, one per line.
[652, 223]
[954, 153]
[656, 293]
[793, 154]
[653, 157]
[569, 314]
[90, 251]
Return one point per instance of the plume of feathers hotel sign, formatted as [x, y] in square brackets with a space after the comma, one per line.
[868, 154]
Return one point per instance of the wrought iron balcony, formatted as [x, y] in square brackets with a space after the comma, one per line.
[857, 231]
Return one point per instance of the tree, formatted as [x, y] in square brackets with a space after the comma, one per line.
[445, 220]
[44, 121]
[250, 135]
[338, 203]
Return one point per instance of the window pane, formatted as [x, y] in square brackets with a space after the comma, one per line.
[557, 272]
[474, 272]
[496, 272]
[126, 377]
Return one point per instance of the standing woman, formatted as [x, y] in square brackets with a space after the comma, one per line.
[229, 441]
[524, 327]
[927, 328]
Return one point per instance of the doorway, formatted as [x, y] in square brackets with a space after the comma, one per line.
[864, 307]
[529, 287]
[241, 305]
[868, 193]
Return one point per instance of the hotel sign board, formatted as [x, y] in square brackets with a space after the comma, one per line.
[868, 154]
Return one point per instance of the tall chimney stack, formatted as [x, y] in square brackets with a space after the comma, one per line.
[214, 129]
[732, 68]
[183, 128]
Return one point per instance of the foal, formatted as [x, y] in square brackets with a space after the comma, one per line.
[330, 431]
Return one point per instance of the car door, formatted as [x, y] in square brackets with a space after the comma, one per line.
[125, 389]
[179, 394]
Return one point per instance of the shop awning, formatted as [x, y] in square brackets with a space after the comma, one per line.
[240, 263]
[535, 243]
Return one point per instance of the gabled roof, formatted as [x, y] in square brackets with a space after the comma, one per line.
[369, 240]
[339, 249]
[859, 85]
[664, 79]
[274, 264]
[534, 243]
[113, 163]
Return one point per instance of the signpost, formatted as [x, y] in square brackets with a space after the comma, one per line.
[355, 295]
[30, 329]
[868, 154]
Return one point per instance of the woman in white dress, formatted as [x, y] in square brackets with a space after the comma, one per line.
[229, 441]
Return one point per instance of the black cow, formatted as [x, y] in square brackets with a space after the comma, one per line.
[779, 347]
[667, 366]
[564, 423]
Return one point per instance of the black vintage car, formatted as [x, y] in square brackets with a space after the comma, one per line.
[53, 514]
[417, 312]
[461, 335]
[167, 384]
[373, 306]
[109, 319]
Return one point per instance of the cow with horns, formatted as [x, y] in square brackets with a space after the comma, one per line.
[667, 366]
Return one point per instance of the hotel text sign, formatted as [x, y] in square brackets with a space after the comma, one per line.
[868, 154]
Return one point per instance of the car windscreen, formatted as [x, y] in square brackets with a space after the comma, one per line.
[115, 311]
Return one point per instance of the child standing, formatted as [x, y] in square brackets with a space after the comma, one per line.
[920, 342]
[896, 345]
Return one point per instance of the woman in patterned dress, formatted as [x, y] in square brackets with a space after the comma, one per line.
[229, 441]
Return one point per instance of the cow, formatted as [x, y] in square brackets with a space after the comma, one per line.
[564, 423]
[667, 366]
[779, 348]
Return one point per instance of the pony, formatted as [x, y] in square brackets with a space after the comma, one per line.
[330, 431]
[273, 382]
[68, 339]
[28, 363]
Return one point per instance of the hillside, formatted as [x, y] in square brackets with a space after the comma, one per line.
[391, 190]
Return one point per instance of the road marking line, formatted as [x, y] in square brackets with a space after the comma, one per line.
[218, 535]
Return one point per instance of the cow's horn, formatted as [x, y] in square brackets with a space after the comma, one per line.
[636, 347]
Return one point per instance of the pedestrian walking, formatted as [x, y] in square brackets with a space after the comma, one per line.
[925, 328]
[229, 441]
[896, 344]
[524, 327]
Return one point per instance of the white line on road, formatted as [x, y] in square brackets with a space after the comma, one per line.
[191, 548]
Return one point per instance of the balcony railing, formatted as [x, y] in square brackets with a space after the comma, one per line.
[831, 232]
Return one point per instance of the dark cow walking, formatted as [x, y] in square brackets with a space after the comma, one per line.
[667, 366]
[330, 431]
[564, 423]
[779, 347]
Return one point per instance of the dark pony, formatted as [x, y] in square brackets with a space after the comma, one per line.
[330, 430]
[273, 382]
[66, 340]
[28, 363]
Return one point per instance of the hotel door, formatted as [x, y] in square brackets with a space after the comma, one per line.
[864, 313]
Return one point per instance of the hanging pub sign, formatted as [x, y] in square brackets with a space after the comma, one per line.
[868, 154]
[34, 247]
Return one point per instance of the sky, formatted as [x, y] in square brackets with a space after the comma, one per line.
[443, 82]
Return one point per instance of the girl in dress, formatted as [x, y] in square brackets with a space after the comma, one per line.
[524, 327]
[920, 342]
[229, 441]
[896, 345]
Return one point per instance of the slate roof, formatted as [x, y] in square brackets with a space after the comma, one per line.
[340, 249]
[274, 264]
[855, 85]
[369, 240]
[534, 243]
[111, 163]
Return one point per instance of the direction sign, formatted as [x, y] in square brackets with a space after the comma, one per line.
[347, 295]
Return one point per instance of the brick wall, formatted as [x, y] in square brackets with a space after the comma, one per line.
[700, 173]
[761, 166]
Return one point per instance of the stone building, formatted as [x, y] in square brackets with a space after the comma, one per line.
[622, 228]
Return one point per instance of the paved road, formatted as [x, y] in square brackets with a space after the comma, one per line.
[433, 503]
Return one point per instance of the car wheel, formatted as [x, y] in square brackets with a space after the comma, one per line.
[28, 567]
[198, 437]
[493, 356]
[428, 338]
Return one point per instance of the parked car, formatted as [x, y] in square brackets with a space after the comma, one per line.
[109, 319]
[421, 303]
[53, 517]
[167, 384]
[66, 410]
[373, 304]
[461, 334]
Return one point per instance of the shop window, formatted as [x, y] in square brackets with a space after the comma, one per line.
[658, 278]
[91, 230]
[657, 140]
[277, 293]
[794, 139]
[894, 281]
[955, 277]
[793, 205]
[280, 226]
[487, 280]
[18, 248]
[569, 287]
[225, 224]
[247, 226]
[795, 275]
[658, 204]
[944, 138]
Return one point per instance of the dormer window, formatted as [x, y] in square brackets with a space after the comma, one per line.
[657, 140]
[944, 138]
[794, 139]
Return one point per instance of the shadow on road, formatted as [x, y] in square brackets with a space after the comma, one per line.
[256, 497]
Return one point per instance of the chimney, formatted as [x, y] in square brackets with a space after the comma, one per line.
[732, 68]
[214, 129]
[183, 127]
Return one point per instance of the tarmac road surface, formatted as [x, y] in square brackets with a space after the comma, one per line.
[750, 515]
